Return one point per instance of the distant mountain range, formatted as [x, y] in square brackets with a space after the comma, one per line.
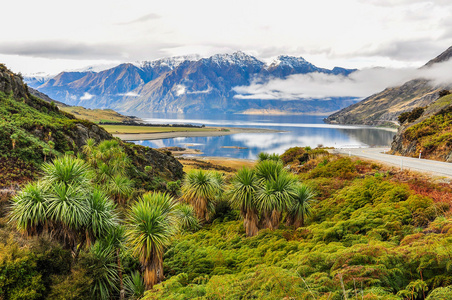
[187, 85]
[384, 108]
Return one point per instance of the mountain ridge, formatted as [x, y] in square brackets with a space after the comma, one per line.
[186, 84]
[383, 108]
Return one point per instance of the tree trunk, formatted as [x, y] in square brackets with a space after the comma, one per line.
[275, 218]
[250, 223]
[289, 220]
[153, 273]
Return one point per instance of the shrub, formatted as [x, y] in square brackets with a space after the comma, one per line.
[411, 116]
[443, 93]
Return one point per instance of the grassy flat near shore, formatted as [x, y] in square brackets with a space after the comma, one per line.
[96, 115]
[126, 129]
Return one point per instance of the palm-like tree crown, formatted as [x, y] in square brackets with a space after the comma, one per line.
[301, 205]
[67, 170]
[268, 169]
[244, 186]
[187, 218]
[29, 209]
[102, 218]
[200, 189]
[151, 224]
[277, 193]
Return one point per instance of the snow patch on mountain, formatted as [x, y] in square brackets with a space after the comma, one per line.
[171, 62]
[237, 58]
[289, 61]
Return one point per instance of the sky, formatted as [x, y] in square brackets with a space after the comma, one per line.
[53, 35]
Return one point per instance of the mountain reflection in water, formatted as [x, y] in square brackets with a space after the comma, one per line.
[299, 130]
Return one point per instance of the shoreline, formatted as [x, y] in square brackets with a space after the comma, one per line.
[216, 131]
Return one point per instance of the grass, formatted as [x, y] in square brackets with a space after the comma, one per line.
[151, 129]
[439, 104]
[96, 115]
[224, 165]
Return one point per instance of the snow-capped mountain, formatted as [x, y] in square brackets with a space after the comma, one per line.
[185, 84]
[36, 79]
[170, 62]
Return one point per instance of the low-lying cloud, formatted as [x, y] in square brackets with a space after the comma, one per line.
[86, 96]
[129, 94]
[359, 84]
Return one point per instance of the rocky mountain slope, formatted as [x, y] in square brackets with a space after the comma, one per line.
[33, 130]
[186, 84]
[427, 131]
[383, 108]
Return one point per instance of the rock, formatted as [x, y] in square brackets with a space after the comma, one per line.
[12, 83]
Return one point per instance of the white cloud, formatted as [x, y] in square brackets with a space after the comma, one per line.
[330, 29]
[129, 94]
[180, 89]
[86, 96]
[361, 83]
[201, 92]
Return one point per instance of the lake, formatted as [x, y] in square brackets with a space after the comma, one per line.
[299, 130]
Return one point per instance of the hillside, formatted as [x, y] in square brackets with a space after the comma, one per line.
[429, 133]
[187, 85]
[383, 108]
[33, 131]
[98, 115]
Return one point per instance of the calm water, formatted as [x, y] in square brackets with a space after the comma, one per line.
[299, 131]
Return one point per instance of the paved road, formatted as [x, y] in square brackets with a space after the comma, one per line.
[423, 165]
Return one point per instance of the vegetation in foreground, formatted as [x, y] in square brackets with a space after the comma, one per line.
[369, 236]
[363, 235]
[80, 204]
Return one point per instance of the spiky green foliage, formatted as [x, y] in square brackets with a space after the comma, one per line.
[68, 210]
[65, 204]
[102, 218]
[244, 186]
[29, 209]
[134, 285]
[120, 187]
[111, 165]
[268, 169]
[187, 218]
[200, 189]
[275, 196]
[262, 195]
[67, 170]
[266, 156]
[151, 224]
[102, 267]
[301, 206]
